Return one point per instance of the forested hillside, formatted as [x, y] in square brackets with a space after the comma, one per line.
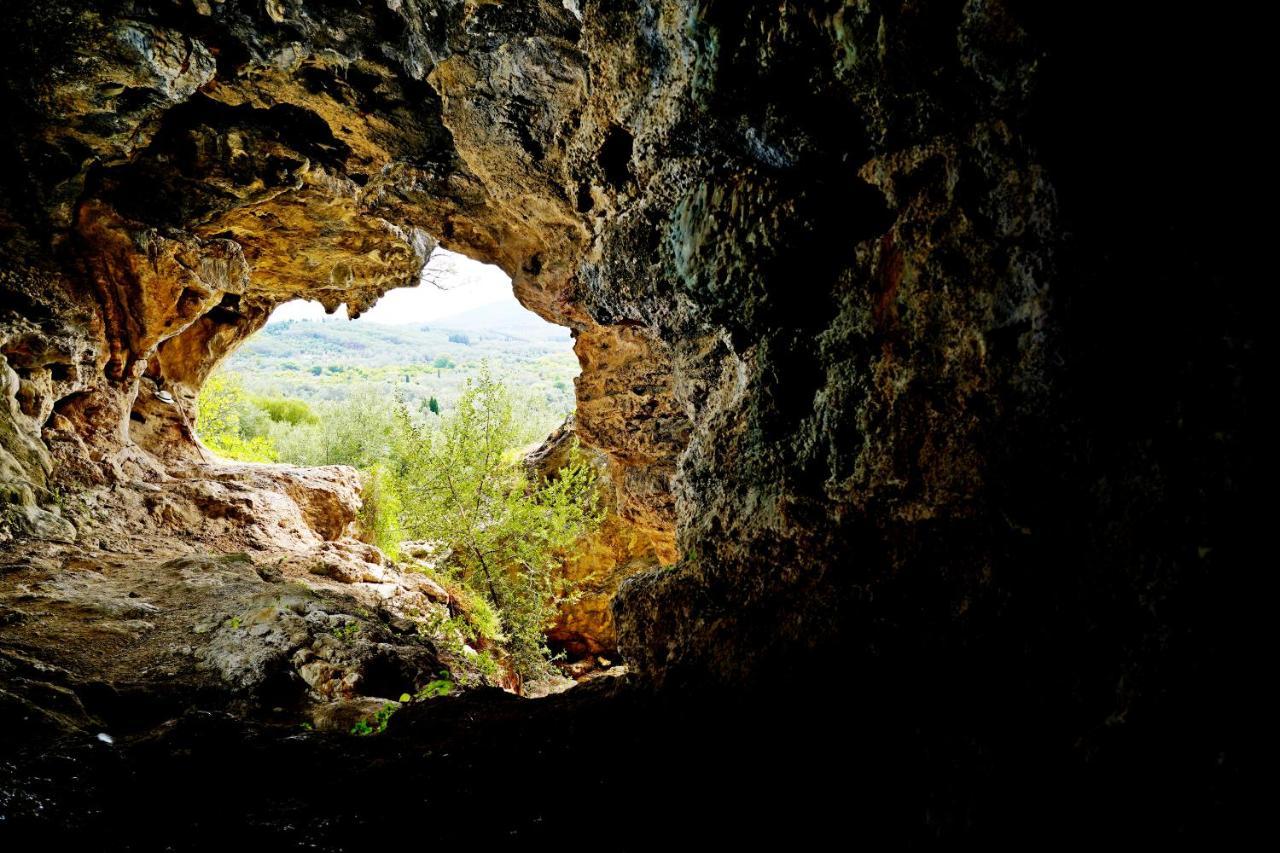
[336, 359]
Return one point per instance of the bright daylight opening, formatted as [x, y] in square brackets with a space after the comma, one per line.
[437, 395]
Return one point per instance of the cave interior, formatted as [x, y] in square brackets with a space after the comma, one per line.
[918, 347]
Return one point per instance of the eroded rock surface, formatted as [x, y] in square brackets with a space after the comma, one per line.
[600, 562]
[261, 631]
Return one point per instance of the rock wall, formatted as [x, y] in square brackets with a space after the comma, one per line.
[597, 564]
[178, 170]
[918, 322]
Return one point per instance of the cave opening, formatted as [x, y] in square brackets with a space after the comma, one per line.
[420, 345]
[449, 381]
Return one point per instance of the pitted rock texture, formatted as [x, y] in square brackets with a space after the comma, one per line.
[180, 169]
[599, 563]
[924, 325]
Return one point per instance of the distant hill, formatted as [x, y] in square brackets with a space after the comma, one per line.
[506, 317]
[332, 359]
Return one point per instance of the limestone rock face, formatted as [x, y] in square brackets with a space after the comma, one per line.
[228, 623]
[598, 564]
[179, 170]
[917, 329]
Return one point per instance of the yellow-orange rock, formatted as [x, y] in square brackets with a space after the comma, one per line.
[598, 563]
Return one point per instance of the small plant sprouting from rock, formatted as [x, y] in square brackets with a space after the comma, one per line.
[378, 723]
[347, 633]
[433, 689]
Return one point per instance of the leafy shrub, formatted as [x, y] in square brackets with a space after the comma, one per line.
[439, 687]
[286, 410]
[380, 510]
[226, 421]
[464, 486]
[456, 480]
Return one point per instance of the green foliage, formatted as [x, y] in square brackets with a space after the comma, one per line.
[291, 359]
[378, 723]
[483, 622]
[488, 665]
[347, 632]
[246, 450]
[286, 410]
[439, 687]
[358, 433]
[443, 361]
[227, 421]
[464, 486]
[454, 479]
[381, 508]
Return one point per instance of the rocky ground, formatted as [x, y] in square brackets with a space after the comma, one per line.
[268, 631]
[606, 764]
[265, 598]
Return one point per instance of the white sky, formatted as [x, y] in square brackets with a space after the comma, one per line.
[468, 284]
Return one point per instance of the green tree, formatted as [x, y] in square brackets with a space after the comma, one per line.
[434, 405]
[286, 410]
[228, 423]
[380, 510]
[464, 486]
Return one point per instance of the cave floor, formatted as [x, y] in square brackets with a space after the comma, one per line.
[177, 696]
[115, 735]
[134, 715]
[605, 764]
